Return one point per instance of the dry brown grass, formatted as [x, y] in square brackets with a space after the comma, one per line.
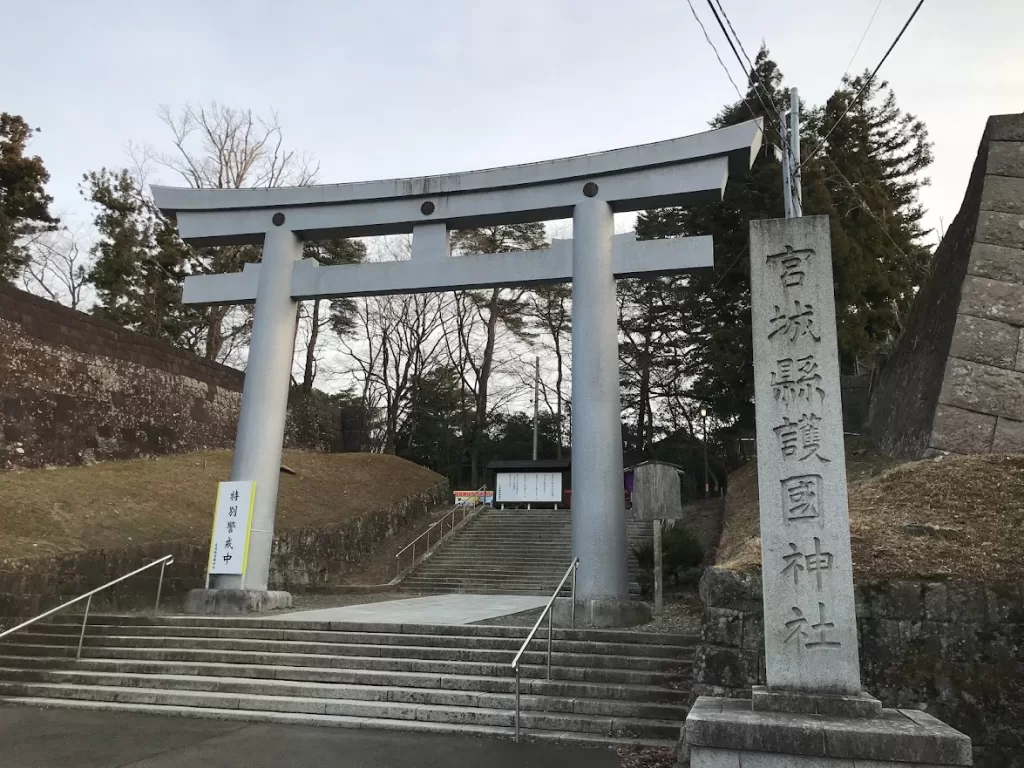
[120, 503]
[974, 503]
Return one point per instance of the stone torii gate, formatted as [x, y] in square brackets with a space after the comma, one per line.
[588, 188]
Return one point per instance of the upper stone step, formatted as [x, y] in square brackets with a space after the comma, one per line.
[500, 552]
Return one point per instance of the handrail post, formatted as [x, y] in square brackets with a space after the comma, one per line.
[572, 609]
[85, 618]
[549, 610]
[159, 587]
[517, 704]
[164, 561]
[550, 614]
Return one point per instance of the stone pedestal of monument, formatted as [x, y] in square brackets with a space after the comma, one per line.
[730, 733]
[812, 713]
[235, 602]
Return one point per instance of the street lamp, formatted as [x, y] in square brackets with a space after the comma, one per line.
[704, 420]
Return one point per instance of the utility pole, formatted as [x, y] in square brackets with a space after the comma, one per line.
[704, 419]
[794, 149]
[787, 187]
[792, 189]
[536, 403]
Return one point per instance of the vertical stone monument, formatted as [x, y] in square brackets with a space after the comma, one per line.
[812, 713]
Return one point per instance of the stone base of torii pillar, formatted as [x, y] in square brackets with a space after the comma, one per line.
[235, 602]
[812, 713]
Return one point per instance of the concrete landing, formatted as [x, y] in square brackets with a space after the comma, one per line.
[435, 609]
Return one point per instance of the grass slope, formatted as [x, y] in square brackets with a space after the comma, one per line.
[120, 503]
[975, 505]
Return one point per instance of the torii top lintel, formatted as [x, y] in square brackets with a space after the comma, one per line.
[674, 172]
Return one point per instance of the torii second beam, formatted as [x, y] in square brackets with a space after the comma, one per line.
[630, 258]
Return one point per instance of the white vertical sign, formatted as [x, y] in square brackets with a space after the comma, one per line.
[232, 520]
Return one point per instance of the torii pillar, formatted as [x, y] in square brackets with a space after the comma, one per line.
[589, 188]
[598, 505]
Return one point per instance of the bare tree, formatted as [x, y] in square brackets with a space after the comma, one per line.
[57, 268]
[221, 147]
[391, 343]
[479, 318]
[318, 318]
[396, 342]
[550, 310]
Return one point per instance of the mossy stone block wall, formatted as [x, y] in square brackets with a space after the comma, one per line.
[76, 388]
[954, 649]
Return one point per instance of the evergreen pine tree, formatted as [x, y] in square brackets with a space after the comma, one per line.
[714, 308]
[24, 204]
[869, 180]
[866, 179]
[140, 262]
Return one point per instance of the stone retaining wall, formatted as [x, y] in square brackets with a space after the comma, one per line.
[955, 650]
[76, 388]
[301, 557]
[962, 350]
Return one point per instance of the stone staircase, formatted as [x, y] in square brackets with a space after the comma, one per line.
[607, 687]
[512, 552]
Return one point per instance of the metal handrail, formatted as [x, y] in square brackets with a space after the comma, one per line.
[466, 509]
[573, 567]
[163, 562]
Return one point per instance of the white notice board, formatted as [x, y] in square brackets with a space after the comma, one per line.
[528, 487]
[232, 522]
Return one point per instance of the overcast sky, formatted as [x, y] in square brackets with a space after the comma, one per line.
[411, 87]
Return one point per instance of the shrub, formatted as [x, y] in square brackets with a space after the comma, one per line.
[680, 551]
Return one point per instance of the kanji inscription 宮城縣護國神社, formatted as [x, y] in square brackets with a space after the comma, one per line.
[810, 625]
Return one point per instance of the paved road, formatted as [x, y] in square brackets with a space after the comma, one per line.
[435, 609]
[59, 738]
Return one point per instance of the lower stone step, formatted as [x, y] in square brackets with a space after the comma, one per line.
[309, 705]
[611, 643]
[340, 654]
[350, 691]
[433, 666]
[539, 686]
[527, 734]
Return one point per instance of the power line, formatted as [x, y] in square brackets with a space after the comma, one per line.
[732, 266]
[743, 250]
[754, 80]
[864, 204]
[728, 39]
[717, 56]
[864, 88]
[752, 75]
[728, 74]
[862, 37]
[740, 42]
